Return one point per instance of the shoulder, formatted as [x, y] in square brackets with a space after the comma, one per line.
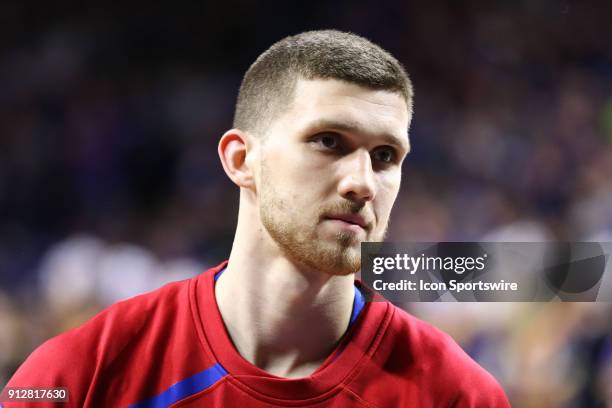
[441, 362]
[78, 357]
[127, 320]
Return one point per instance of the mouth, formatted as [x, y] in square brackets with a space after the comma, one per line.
[352, 219]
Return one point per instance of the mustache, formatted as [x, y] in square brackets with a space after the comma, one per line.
[349, 207]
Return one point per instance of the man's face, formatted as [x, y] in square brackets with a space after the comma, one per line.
[330, 172]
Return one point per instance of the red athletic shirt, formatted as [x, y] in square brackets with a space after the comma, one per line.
[170, 348]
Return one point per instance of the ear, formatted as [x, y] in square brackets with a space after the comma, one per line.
[233, 149]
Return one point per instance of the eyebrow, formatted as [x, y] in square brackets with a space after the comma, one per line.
[352, 127]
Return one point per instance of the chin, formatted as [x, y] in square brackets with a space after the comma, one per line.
[341, 260]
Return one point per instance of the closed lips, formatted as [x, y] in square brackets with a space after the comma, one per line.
[350, 218]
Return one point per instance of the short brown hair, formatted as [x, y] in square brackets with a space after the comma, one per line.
[269, 84]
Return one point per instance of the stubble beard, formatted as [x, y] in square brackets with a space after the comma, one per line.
[297, 237]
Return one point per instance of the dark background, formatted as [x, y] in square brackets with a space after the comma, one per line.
[110, 183]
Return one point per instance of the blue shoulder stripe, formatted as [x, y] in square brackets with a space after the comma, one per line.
[185, 388]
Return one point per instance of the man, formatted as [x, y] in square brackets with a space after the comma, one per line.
[319, 137]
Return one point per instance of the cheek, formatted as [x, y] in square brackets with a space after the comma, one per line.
[295, 168]
[289, 184]
[385, 198]
[389, 188]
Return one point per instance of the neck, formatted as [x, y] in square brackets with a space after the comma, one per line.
[280, 317]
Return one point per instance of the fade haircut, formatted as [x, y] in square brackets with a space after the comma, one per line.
[268, 86]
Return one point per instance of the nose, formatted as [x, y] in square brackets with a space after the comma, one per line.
[358, 179]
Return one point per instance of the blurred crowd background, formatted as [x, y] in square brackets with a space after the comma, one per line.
[110, 183]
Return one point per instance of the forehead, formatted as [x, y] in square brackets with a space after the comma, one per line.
[346, 105]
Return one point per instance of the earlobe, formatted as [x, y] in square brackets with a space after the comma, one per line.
[233, 149]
